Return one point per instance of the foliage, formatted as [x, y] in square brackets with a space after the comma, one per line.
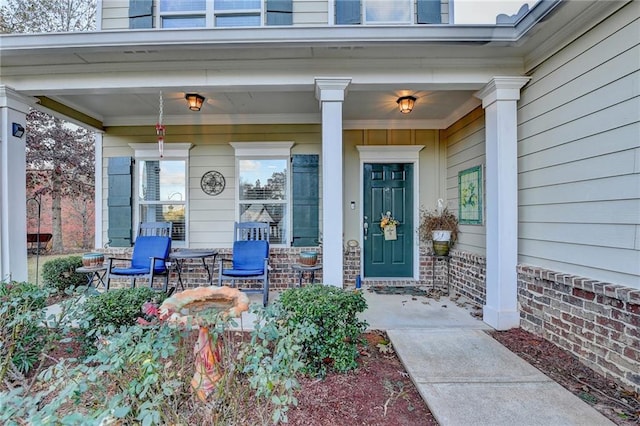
[431, 220]
[141, 375]
[61, 272]
[43, 16]
[119, 307]
[21, 336]
[333, 314]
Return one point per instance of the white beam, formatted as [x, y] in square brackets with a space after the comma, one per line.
[499, 100]
[331, 93]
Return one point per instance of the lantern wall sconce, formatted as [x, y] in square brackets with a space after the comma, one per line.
[17, 130]
[194, 101]
[406, 104]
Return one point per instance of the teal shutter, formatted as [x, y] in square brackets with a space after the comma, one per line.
[304, 171]
[140, 14]
[279, 12]
[429, 12]
[119, 201]
[348, 12]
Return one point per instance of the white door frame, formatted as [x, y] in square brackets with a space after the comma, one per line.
[392, 154]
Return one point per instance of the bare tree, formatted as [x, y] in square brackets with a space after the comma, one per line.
[47, 16]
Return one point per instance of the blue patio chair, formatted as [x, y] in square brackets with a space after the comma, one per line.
[250, 258]
[148, 261]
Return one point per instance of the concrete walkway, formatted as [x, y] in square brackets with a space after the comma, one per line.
[464, 375]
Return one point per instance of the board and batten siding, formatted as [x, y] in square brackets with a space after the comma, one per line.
[579, 156]
[210, 218]
[465, 142]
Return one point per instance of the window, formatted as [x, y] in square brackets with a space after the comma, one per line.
[387, 12]
[216, 13]
[161, 187]
[263, 193]
[183, 13]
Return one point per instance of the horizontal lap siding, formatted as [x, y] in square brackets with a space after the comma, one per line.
[466, 148]
[310, 12]
[579, 145]
[115, 14]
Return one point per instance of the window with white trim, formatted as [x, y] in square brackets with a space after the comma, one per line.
[387, 12]
[207, 13]
[263, 190]
[161, 188]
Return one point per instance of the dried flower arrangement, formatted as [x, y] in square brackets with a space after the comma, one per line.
[438, 219]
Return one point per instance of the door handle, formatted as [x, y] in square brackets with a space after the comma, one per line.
[365, 226]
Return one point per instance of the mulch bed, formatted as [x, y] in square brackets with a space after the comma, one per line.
[619, 405]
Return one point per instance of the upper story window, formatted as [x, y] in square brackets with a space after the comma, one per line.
[385, 12]
[223, 13]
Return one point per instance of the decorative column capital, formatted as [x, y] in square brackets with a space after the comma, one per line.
[331, 89]
[10, 98]
[501, 89]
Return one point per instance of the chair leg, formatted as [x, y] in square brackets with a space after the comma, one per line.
[265, 292]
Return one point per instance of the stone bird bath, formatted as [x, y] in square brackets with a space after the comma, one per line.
[196, 308]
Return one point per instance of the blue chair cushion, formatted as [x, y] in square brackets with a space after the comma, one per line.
[147, 247]
[130, 271]
[250, 255]
[242, 272]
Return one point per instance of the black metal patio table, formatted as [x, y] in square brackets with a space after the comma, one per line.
[180, 255]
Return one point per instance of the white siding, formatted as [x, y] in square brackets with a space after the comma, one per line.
[310, 12]
[466, 148]
[115, 14]
[579, 145]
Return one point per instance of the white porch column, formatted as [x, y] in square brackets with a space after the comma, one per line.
[331, 92]
[13, 191]
[499, 100]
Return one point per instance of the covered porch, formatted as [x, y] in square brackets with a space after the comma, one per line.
[338, 103]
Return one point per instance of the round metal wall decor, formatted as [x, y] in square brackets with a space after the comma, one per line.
[212, 182]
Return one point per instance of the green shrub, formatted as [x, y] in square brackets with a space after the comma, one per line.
[22, 337]
[333, 312]
[61, 273]
[120, 307]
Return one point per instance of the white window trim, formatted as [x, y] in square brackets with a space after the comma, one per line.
[173, 151]
[262, 150]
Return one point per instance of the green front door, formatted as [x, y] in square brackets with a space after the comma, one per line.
[388, 188]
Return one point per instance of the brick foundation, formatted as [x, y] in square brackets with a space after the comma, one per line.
[597, 322]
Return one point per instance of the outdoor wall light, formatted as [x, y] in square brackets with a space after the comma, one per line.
[17, 130]
[194, 101]
[406, 104]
